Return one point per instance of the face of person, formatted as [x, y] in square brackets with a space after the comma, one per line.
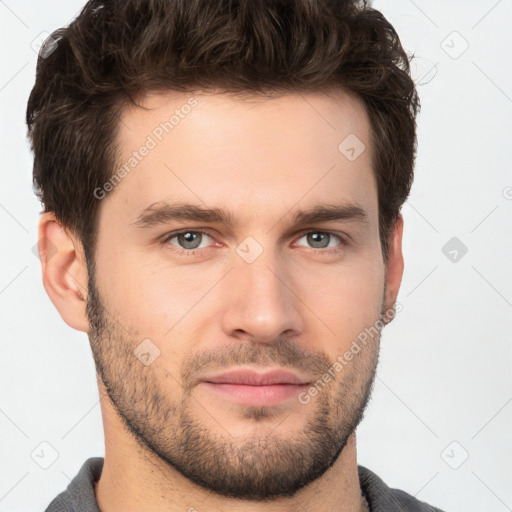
[177, 299]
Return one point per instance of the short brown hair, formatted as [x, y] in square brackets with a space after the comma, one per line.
[116, 51]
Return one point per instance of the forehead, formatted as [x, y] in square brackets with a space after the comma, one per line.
[255, 154]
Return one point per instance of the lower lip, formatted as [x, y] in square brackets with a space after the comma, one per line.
[268, 395]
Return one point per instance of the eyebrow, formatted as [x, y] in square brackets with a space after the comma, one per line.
[162, 212]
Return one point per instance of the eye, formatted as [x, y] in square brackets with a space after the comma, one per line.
[323, 239]
[186, 241]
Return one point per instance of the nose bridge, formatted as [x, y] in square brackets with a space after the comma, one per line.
[261, 301]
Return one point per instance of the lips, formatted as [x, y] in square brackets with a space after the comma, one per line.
[247, 386]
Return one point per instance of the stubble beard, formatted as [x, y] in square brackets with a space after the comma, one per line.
[262, 466]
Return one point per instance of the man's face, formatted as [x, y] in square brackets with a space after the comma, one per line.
[264, 291]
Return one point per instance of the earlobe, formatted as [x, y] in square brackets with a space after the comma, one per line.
[395, 266]
[64, 271]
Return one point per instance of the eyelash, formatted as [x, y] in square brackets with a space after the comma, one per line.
[192, 252]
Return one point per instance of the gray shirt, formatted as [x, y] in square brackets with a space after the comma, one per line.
[79, 495]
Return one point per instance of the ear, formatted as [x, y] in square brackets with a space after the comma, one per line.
[64, 271]
[395, 266]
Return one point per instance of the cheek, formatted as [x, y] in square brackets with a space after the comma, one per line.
[136, 296]
[345, 302]
[159, 302]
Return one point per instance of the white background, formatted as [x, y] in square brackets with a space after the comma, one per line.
[443, 391]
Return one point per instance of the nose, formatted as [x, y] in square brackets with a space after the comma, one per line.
[262, 303]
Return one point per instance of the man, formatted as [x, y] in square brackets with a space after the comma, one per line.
[222, 184]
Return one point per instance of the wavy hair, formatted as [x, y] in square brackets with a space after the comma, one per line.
[115, 51]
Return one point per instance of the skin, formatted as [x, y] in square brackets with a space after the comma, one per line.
[170, 443]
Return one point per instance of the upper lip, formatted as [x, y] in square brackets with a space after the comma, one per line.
[253, 377]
